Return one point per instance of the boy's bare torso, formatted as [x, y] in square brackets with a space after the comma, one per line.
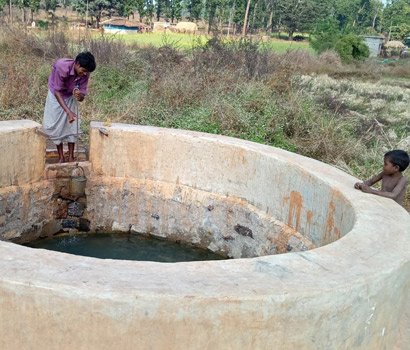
[389, 183]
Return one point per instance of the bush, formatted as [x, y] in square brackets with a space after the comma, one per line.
[330, 57]
[352, 47]
[399, 32]
[328, 36]
[43, 24]
[325, 36]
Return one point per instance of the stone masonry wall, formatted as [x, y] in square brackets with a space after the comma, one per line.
[228, 226]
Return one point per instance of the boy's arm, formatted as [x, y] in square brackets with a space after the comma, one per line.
[373, 180]
[369, 182]
[393, 194]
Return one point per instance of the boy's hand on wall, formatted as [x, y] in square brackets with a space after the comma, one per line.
[358, 185]
[365, 189]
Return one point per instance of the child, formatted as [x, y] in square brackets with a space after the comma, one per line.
[393, 181]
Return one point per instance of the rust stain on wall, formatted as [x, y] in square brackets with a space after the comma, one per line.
[330, 223]
[332, 232]
[309, 216]
[295, 208]
[239, 157]
[337, 232]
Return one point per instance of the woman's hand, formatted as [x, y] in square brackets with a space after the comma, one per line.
[71, 116]
[78, 95]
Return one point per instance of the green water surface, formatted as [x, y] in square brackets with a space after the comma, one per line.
[123, 246]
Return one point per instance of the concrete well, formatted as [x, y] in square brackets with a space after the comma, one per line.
[342, 284]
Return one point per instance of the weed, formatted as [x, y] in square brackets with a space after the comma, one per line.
[346, 115]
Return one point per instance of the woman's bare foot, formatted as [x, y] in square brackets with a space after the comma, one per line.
[60, 151]
[71, 151]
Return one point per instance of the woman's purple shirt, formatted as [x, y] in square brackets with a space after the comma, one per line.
[63, 78]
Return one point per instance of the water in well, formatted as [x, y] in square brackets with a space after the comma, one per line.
[123, 246]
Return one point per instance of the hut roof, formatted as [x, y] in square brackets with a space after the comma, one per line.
[125, 23]
[395, 44]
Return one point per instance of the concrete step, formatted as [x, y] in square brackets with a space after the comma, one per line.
[52, 155]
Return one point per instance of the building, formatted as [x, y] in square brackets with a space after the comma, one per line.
[124, 26]
[375, 44]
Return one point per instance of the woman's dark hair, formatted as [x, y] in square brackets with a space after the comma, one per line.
[399, 158]
[86, 60]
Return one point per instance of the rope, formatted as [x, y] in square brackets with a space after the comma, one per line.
[76, 109]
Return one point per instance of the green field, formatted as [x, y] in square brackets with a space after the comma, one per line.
[188, 41]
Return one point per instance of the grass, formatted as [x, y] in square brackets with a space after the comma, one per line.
[344, 115]
[282, 46]
[182, 41]
[189, 41]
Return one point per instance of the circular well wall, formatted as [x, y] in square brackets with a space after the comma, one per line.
[347, 294]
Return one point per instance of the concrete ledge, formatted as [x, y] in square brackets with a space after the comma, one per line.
[22, 155]
[349, 294]
[297, 191]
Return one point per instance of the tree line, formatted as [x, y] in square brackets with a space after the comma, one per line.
[243, 16]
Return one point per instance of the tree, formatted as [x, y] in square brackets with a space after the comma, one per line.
[329, 36]
[140, 7]
[159, 8]
[79, 6]
[149, 9]
[34, 6]
[224, 14]
[396, 14]
[400, 32]
[245, 20]
[239, 14]
[66, 4]
[351, 47]
[210, 10]
[363, 16]
[377, 8]
[173, 9]
[194, 8]
[22, 4]
[51, 6]
[3, 3]
[299, 15]
[325, 35]
[97, 7]
[356, 15]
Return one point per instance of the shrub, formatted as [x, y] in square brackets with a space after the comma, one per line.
[43, 24]
[247, 57]
[352, 47]
[51, 45]
[107, 50]
[399, 32]
[328, 36]
[330, 57]
[325, 36]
